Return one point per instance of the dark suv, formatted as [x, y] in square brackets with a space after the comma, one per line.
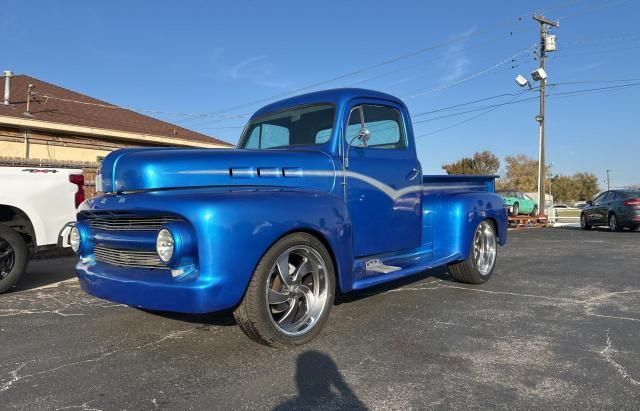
[616, 209]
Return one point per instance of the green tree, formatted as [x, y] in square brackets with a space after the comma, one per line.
[587, 186]
[563, 188]
[522, 173]
[484, 162]
[578, 187]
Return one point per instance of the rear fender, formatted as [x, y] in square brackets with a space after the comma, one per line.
[457, 217]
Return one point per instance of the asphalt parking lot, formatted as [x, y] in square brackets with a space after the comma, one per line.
[557, 327]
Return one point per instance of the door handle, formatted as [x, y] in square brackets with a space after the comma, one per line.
[413, 174]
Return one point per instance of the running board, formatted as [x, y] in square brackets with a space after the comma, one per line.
[376, 266]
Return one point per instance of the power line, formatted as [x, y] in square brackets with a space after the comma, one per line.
[109, 106]
[467, 120]
[514, 101]
[434, 46]
[608, 51]
[599, 7]
[502, 23]
[471, 76]
[408, 55]
[589, 42]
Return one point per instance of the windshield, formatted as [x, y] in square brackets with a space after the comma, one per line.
[307, 125]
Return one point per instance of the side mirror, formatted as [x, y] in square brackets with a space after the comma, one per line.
[589, 202]
[364, 135]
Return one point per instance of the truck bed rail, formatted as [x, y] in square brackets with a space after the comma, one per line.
[484, 183]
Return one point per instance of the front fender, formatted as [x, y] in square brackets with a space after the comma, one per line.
[234, 234]
[459, 214]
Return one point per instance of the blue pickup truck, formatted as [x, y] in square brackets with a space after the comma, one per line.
[323, 193]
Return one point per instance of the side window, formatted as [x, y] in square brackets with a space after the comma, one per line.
[520, 195]
[323, 136]
[268, 136]
[600, 199]
[385, 126]
[254, 138]
[274, 136]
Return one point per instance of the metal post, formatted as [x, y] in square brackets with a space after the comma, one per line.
[608, 179]
[541, 167]
[544, 22]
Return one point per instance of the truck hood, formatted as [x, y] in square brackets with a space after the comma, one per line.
[164, 168]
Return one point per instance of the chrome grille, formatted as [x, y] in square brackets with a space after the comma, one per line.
[132, 223]
[128, 258]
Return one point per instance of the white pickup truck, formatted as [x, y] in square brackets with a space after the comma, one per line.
[36, 205]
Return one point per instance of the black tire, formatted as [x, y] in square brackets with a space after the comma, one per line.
[515, 209]
[534, 212]
[614, 225]
[255, 315]
[14, 256]
[468, 271]
[583, 222]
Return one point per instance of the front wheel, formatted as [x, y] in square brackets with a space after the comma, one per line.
[14, 256]
[479, 267]
[583, 222]
[515, 209]
[290, 294]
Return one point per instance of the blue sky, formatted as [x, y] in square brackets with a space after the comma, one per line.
[206, 57]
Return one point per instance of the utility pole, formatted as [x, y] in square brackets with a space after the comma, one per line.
[544, 47]
[609, 179]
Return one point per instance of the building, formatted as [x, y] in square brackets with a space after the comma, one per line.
[39, 120]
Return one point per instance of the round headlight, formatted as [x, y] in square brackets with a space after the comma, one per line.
[165, 245]
[74, 239]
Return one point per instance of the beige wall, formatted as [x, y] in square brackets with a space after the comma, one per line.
[50, 152]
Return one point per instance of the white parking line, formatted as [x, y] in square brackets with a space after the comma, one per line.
[58, 284]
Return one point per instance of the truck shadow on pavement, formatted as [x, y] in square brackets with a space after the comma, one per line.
[44, 272]
[320, 386]
[440, 273]
[218, 318]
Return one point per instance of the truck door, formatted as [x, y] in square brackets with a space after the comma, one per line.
[383, 180]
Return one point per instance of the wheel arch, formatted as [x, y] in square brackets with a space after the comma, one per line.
[318, 235]
[16, 219]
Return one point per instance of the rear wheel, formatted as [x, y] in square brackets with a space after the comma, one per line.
[534, 212]
[613, 223]
[14, 256]
[479, 267]
[291, 293]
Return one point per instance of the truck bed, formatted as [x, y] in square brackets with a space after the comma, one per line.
[485, 183]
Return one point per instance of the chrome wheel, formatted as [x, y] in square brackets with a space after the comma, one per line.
[485, 247]
[7, 258]
[583, 221]
[297, 290]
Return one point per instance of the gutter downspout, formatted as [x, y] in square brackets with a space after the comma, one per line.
[26, 143]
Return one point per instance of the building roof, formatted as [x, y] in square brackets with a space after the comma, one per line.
[95, 113]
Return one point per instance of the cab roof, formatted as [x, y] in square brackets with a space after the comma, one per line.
[336, 96]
